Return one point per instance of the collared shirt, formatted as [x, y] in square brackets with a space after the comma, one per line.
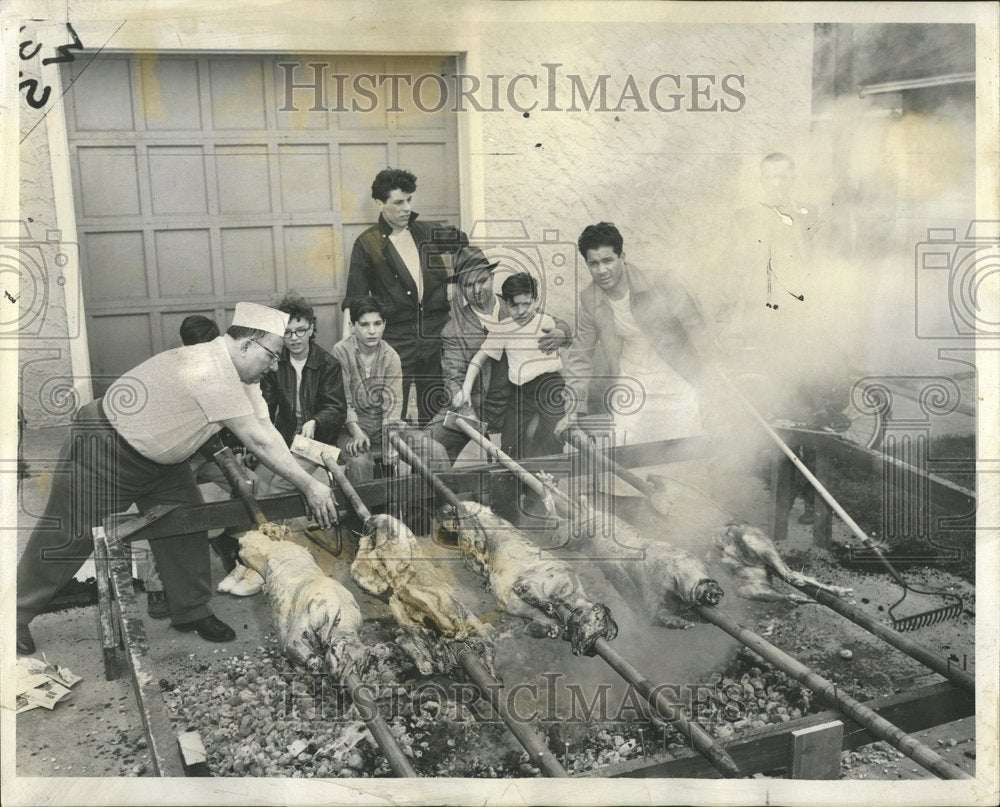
[407, 249]
[297, 365]
[372, 395]
[493, 317]
[525, 361]
[669, 317]
[168, 406]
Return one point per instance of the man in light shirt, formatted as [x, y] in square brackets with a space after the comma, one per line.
[646, 335]
[405, 263]
[133, 446]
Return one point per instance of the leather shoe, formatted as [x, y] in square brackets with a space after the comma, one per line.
[156, 604]
[25, 644]
[210, 628]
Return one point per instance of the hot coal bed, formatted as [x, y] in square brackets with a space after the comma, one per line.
[444, 675]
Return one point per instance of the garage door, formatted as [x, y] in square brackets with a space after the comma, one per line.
[194, 190]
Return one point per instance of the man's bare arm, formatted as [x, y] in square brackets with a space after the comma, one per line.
[266, 443]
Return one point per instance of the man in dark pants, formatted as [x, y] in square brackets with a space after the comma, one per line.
[402, 262]
[133, 446]
[475, 306]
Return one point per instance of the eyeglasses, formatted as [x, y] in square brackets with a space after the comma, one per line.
[298, 333]
[274, 356]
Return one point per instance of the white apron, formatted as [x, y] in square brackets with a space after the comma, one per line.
[655, 402]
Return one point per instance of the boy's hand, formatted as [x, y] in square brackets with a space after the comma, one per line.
[358, 445]
[552, 339]
[459, 399]
[309, 429]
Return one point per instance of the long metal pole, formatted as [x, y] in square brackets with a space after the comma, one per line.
[575, 438]
[834, 505]
[345, 485]
[526, 736]
[913, 649]
[671, 712]
[380, 730]
[665, 707]
[537, 485]
[473, 665]
[857, 711]
[420, 466]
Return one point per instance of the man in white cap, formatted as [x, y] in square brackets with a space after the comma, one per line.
[133, 446]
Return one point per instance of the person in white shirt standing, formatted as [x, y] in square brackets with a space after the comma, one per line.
[537, 402]
[133, 445]
[406, 264]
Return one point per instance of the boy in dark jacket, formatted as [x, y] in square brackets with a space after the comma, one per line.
[305, 395]
[405, 263]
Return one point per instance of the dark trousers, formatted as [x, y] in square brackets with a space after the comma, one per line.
[424, 373]
[99, 474]
[541, 402]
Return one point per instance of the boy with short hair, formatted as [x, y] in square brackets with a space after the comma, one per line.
[538, 387]
[373, 385]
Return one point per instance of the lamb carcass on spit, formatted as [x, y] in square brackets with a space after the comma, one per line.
[666, 580]
[751, 557]
[746, 552]
[527, 581]
[419, 595]
[316, 617]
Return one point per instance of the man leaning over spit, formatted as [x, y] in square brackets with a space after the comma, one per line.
[133, 446]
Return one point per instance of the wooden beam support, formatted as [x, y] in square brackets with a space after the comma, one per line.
[815, 751]
[949, 495]
[823, 526]
[768, 750]
[782, 496]
[160, 738]
[107, 624]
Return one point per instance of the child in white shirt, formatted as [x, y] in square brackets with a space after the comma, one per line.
[536, 376]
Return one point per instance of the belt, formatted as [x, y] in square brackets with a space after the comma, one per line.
[125, 446]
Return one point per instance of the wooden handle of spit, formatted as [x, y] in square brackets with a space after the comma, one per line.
[345, 485]
[787, 451]
[226, 461]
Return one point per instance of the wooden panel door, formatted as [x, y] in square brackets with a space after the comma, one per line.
[194, 190]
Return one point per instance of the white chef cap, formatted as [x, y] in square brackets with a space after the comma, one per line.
[260, 317]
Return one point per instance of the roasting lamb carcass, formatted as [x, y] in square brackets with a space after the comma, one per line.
[751, 557]
[316, 617]
[418, 594]
[527, 581]
[668, 581]
[747, 553]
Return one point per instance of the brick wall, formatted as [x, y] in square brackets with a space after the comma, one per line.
[669, 180]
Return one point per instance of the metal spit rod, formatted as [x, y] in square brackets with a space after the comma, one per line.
[376, 724]
[857, 711]
[488, 686]
[529, 740]
[380, 730]
[913, 649]
[709, 747]
[665, 707]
